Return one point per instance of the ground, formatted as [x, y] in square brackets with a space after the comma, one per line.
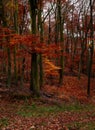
[65, 107]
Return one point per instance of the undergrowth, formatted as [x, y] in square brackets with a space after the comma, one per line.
[42, 110]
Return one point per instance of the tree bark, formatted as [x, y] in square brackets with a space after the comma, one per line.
[91, 47]
[34, 83]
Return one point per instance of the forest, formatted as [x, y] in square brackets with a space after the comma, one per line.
[47, 64]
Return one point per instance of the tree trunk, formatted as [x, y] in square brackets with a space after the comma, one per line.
[4, 23]
[16, 29]
[40, 29]
[3, 19]
[34, 83]
[61, 71]
[91, 47]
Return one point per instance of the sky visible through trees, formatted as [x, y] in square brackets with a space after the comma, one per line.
[60, 32]
[47, 56]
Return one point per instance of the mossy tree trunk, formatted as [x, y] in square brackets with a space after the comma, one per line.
[40, 29]
[4, 23]
[34, 83]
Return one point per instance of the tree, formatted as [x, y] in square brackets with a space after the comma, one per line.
[91, 46]
[34, 85]
[61, 24]
[40, 29]
[16, 30]
[5, 24]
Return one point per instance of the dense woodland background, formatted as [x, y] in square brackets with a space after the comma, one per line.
[40, 39]
[47, 51]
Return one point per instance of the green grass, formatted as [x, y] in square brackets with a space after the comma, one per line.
[43, 110]
[82, 126]
[4, 122]
[90, 126]
[36, 110]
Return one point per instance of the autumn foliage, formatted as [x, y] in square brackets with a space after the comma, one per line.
[70, 45]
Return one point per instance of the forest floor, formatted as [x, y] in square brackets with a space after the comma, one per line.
[65, 107]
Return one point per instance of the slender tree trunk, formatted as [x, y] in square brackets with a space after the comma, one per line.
[4, 23]
[56, 34]
[83, 49]
[16, 29]
[61, 71]
[9, 68]
[91, 47]
[40, 29]
[49, 30]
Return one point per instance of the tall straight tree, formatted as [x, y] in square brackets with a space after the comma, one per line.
[60, 20]
[34, 83]
[40, 29]
[16, 30]
[5, 24]
[91, 46]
